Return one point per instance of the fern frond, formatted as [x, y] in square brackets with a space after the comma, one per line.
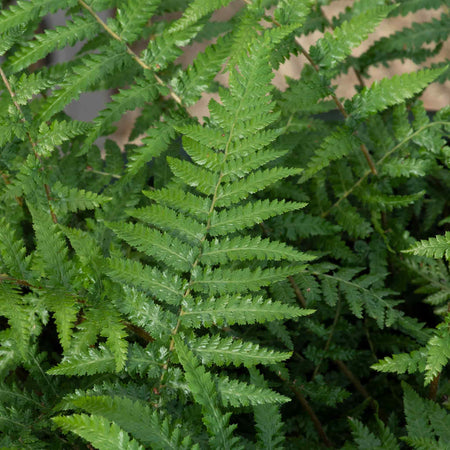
[135, 417]
[161, 246]
[89, 70]
[225, 351]
[402, 363]
[164, 286]
[98, 431]
[74, 31]
[435, 247]
[334, 48]
[133, 17]
[26, 11]
[136, 96]
[228, 221]
[9, 38]
[13, 252]
[90, 362]
[268, 419]
[391, 91]
[239, 280]
[237, 393]
[246, 248]
[227, 310]
[202, 386]
[438, 352]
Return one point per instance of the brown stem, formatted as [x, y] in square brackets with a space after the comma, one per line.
[33, 144]
[432, 393]
[307, 407]
[298, 292]
[129, 50]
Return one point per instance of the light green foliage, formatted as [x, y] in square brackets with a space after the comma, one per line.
[227, 281]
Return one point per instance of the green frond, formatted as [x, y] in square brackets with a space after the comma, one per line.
[152, 242]
[402, 363]
[237, 393]
[155, 143]
[192, 81]
[97, 430]
[68, 199]
[390, 202]
[290, 12]
[426, 421]
[29, 85]
[10, 37]
[135, 417]
[73, 31]
[224, 280]
[435, 247]
[181, 200]
[136, 96]
[90, 362]
[202, 179]
[26, 11]
[438, 352]
[225, 351]
[50, 137]
[248, 215]
[163, 285]
[336, 146]
[167, 219]
[268, 421]
[230, 310]
[89, 70]
[234, 191]
[334, 48]
[13, 252]
[411, 6]
[391, 91]
[134, 16]
[145, 313]
[241, 248]
[201, 384]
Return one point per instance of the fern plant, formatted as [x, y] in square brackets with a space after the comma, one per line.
[229, 282]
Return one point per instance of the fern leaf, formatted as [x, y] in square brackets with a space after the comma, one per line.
[28, 85]
[268, 419]
[225, 351]
[90, 362]
[438, 352]
[435, 247]
[9, 38]
[363, 437]
[247, 247]
[164, 286]
[136, 96]
[391, 91]
[237, 393]
[224, 280]
[26, 11]
[334, 48]
[56, 134]
[336, 146]
[13, 252]
[225, 222]
[133, 17]
[181, 200]
[90, 70]
[161, 246]
[238, 190]
[43, 44]
[136, 417]
[202, 386]
[226, 310]
[98, 431]
[167, 219]
[402, 363]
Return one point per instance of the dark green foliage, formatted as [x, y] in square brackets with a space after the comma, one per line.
[249, 280]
